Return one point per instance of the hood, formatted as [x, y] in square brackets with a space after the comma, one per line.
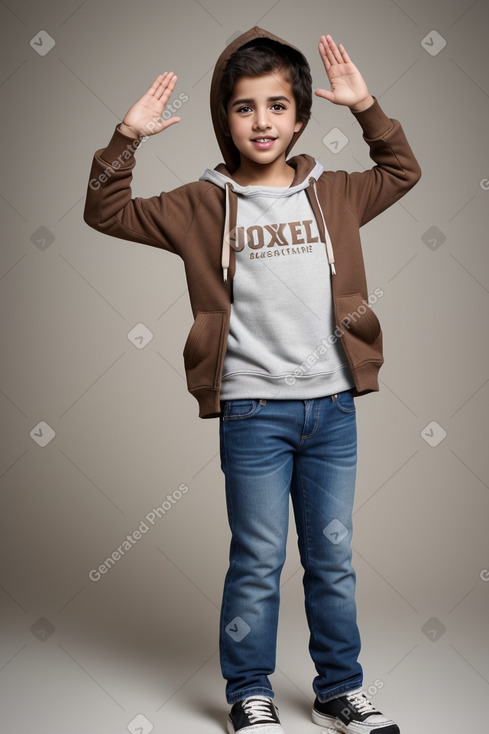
[306, 168]
[228, 149]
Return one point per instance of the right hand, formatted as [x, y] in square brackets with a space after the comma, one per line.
[144, 116]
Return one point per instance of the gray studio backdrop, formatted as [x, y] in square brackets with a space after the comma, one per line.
[101, 441]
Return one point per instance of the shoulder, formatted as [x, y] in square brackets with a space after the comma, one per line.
[195, 191]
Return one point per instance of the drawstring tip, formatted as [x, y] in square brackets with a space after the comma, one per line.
[225, 274]
[333, 269]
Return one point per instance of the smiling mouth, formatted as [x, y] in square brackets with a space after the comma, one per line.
[263, 140]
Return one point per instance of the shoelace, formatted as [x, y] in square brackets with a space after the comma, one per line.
[361, 703]
[257, 709]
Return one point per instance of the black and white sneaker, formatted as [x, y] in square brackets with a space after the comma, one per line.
[352, 714]
[254, 715]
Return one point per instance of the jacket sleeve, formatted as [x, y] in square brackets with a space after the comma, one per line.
[395, 172]
[160, 221]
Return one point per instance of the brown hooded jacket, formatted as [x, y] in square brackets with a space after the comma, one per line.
[196, 221]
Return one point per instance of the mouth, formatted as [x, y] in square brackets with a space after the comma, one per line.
[264, 142]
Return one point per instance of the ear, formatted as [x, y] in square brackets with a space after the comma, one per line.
[298, 126]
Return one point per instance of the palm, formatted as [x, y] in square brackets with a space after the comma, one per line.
[144, 116]
[347, 84]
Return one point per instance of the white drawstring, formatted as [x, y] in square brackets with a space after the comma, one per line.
[225, 253]
[327, 243]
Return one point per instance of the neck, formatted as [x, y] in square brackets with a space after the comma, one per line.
[278, 174]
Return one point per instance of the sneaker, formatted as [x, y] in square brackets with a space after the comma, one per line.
[352, 714]
[254, 715]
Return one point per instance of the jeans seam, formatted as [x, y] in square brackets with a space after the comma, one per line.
[342, 409]
[229, 505]
[316, 421]
[307, 600]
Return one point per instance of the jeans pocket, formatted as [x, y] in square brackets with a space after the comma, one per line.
[235, 410]
[344, 401]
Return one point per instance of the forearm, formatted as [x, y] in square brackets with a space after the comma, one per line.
[109, 186]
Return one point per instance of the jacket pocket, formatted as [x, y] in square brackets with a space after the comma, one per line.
[356, 317]
[360, 329]
[203, 352]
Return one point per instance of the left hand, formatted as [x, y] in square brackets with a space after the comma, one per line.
[347, 84]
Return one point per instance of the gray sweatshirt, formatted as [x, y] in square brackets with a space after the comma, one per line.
[281, 343]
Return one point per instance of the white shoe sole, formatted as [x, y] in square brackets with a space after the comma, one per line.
[257, 729]
[332, 725]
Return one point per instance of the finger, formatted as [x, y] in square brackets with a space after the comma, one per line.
[152, 90]
[170, 121]
[162, 82]
[325, 94]
[324, 57]
[168, 85]
[344, 54]
[333, 49]
[329, 55]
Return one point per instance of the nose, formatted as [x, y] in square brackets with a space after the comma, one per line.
[261, 120]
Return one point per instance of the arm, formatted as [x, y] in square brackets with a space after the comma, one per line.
[109, 206]
[396, 170]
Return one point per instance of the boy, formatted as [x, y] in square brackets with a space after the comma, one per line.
[283, 341]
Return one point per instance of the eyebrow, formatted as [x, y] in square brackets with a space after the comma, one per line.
[279, 98]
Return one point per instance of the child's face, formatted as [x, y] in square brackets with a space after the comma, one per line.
[262, 117]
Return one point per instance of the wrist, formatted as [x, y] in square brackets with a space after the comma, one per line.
[363, 104]
[129, 131]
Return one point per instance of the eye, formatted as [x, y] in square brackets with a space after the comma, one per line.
[245, 108]
[278, 107]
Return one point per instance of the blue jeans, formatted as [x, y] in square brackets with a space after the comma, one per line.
[270, 449]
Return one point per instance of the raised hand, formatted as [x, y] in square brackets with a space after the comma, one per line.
[347, 84]
[144, 117]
